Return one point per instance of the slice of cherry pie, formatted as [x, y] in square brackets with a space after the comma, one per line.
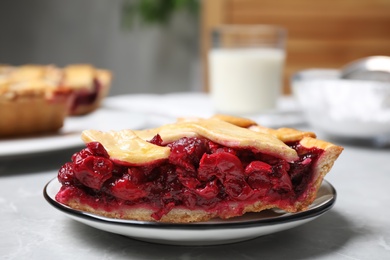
[195, 170]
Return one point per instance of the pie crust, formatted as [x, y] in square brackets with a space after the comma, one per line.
[277, 168]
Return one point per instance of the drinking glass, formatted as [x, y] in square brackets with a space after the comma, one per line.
[246, 64]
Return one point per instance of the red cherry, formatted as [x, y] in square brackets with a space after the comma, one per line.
[125, 189]
[93, 171]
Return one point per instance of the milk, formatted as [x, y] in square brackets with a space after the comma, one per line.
[245, 81]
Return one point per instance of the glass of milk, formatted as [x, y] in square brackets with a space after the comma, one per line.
[246, 64]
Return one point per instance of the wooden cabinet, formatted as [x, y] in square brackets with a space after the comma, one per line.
[321, 33]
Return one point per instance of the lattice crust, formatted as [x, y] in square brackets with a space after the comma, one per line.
[232, 131]
[120, 144]
[73, 76]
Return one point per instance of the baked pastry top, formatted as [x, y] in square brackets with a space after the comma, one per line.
[195, 169]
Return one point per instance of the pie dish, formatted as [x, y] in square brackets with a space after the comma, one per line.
[195, 170]
[36, 99]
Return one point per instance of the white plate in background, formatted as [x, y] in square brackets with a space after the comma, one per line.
[69, 136]
[166, 108]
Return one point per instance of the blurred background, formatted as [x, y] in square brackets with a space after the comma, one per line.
[147, 54]
[156, 46]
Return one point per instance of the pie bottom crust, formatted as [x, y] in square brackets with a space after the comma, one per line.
[33, 115]
[176, 215]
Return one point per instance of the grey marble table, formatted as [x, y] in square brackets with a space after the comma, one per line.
[357, 227]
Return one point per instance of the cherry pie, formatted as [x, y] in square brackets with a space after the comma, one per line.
[195, 170]
[36, 99]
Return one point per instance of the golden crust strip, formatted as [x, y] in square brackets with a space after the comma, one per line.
[283, 134]
[238, 121]
[169, 133]
[234, 136]
[126, 146]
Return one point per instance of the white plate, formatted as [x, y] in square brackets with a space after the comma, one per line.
[214, 232]
[69, 135]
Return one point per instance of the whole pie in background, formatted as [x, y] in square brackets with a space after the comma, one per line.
[36, 99]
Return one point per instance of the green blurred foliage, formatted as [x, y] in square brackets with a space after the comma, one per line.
[154, 12]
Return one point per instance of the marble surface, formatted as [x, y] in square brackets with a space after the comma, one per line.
[357, 227]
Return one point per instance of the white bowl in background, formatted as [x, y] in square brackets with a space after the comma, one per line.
[343, 107]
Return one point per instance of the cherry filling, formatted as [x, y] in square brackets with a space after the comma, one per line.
[86, 97]
[199, 174]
